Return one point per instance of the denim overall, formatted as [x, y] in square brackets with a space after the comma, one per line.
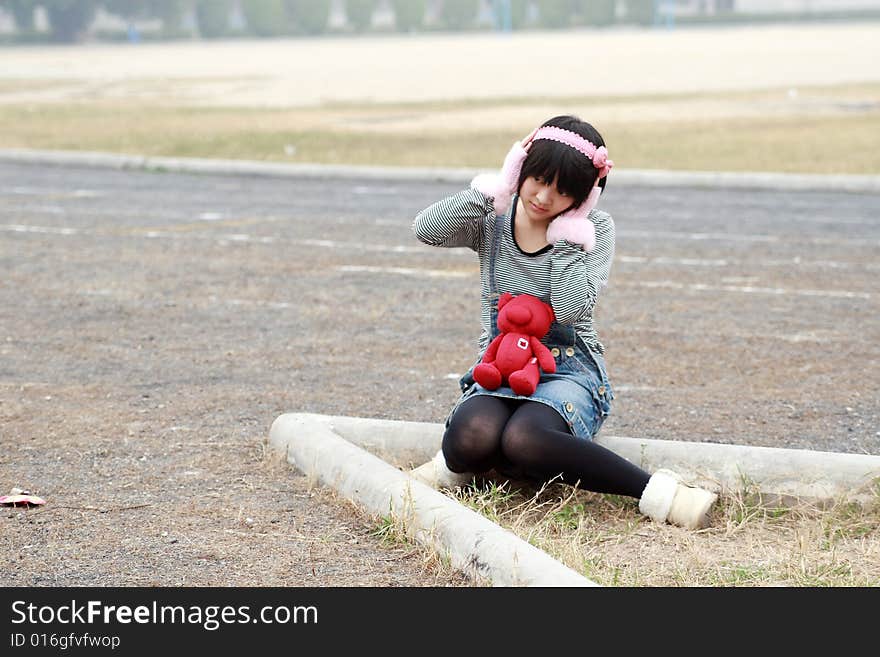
[579, 390]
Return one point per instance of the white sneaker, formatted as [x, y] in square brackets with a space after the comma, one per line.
[667, 499]
[435, 474]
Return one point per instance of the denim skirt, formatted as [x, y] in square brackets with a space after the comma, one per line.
[579, 390]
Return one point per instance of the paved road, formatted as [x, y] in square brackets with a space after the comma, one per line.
[177, 310]
[732, 305]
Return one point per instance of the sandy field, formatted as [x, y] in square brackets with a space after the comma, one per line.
[386, 69]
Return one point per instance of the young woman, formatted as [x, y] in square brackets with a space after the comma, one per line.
[537, 231]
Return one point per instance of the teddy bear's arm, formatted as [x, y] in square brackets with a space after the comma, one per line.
[492, 351]
[545, 358]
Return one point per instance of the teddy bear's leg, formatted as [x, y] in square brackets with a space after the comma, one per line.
[525, 381]
[488, 376]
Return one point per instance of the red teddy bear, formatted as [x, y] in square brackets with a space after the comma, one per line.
[515, 354]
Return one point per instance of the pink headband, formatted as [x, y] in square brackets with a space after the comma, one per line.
[599, 156]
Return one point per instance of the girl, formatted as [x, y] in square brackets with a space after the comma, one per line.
[536, 231]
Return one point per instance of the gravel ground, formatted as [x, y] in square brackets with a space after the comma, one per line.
[152, 326]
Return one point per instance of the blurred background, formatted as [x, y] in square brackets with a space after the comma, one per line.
[115, 20]
[670, 84]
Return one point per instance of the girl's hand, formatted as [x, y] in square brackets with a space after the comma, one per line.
[574, 226]
[501, 186]
[574, 229]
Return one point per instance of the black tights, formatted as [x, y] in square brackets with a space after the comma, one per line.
[529, 439]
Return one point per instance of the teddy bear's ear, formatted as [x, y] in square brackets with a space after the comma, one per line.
[503, 299]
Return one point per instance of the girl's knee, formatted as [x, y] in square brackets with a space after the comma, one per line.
[470, 439]
[521, 443]
[525, 436]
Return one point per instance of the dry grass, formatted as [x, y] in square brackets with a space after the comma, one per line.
[751, 541]
[770, 130]
[395, 531]
[395, 534]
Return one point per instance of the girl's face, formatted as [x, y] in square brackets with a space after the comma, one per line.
[541, 200]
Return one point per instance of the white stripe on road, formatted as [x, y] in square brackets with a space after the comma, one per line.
[50, 230]
[381, 248]
[819, 337]
[748, 289]
[406, 271]
[658, 234]
[687, 262]
[49, 193]
[276, 305]
[361, 246]
[233, 237]
[373, 191]
[795, 261]
[742, 237]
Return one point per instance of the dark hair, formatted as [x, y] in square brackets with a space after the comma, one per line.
[550, 160]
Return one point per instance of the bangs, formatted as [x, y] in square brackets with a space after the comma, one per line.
[549, 160]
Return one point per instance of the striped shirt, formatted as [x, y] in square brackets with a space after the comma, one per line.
[563, 274]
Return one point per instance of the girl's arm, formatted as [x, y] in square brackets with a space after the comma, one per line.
[577, 276]
[456, 220]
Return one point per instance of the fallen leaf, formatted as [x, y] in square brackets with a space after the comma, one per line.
[26, 500]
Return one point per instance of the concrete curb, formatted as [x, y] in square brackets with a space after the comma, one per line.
[627, 177]
[350, 454]
[775, 471]
[474, 544]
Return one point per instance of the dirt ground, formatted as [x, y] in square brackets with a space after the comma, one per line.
[154, 325]
[137, 387]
